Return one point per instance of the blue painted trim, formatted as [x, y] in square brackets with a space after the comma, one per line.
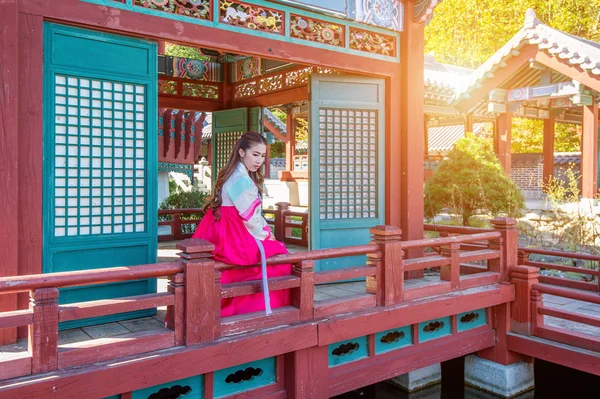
[401, 337]
[360, 352]
[442, 331]
[225, 382]
[472, 319]
[283, 38]
[196, 384]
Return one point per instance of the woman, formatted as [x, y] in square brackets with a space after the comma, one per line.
[233, 222]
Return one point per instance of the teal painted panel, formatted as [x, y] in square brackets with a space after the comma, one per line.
[348, 351]
[114, 397]
[245, 377]
[395, 338]
[434, 329]
[469, 320]
[347, 171]
[230, 120]
[100, 159]
[188, 388]
[255, 121]
[99, 51]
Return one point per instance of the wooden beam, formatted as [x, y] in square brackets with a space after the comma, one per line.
[290, 144]
[274, 130]
[589, 151]
[412, 133]
[189, 104]
[469, 123]
[9, 160]
[572, 71]
[503, 137]
[277, 98]
[548, 152]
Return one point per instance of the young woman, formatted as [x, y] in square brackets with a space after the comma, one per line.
[233, 222]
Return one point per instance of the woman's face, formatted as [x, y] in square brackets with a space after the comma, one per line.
[254, 156]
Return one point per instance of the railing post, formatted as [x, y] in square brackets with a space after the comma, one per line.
[200, 291]
[522, 257]
[303, 296]
[508, 247]
[43, 333]
[389, 282]
[537, 319]
[176, 226]
[176, 312]
[523, 277]
[451, 272]
[281, 208]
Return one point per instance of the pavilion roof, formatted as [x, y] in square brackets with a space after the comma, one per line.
[579, 54]
[443, 81]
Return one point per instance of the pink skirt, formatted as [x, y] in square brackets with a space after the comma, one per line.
[234, 245]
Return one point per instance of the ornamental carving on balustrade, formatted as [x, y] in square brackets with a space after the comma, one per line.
[167, 87]
[298, 77]
[316, 31]
[372, 42]
[199, 9]
[252, 16]
[270, 83]
[200, 90]
[246, 89]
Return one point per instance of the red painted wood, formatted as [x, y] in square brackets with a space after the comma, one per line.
[43, 333]
[560, 253]
[30, 99]
[290, 143]
[191, 104]
[303, 297]
[436, 242]
[162, 367]
[274, 130]
[372, 321]
[478, 255]
[428, 290]
[479, 279]
[580, 270]
[467, 269]
[589, 151]
[508, 246]
[451, 273]
[306, 373]
[9, 145]
[258, 320]
[425, 262]
[82, 310]
[85, 277]
[199, 288]
[569, 337]
[289, 96]
[523, 277]
[16, 318]
[501, 323]
[388, 238]
[455, 229]
[126, 395]
[567, 283]
[101, 349]
[13, 368]
[567, 293]
[344, 274]
[335, 306]
[391, 364]
[412, 133]
[579, 318]
[469, 123]
[255, 286]
[503, 137]
[548, 149]
[176, 313]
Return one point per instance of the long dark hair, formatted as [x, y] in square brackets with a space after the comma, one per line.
[248, 140]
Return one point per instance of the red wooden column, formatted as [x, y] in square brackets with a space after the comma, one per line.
[9, 141]
[411, 132]
[503, 137]
[523, 277]
[469, 123]
[161, 47]
[426, 135]
[548, 170]
[589, 151]
[290, 144]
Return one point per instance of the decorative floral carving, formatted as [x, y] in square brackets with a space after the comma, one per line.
[251, 16]
[200, 90]
[433, 326]
[372, 42]
[271, 83]
[469, 317]
[199, 9]
[247, 89]
[391, 337]
[316, 30]
[167, 87]
[345, 349]
[243, 375]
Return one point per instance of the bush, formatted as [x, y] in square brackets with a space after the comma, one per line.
[185, 200]
[471, 180]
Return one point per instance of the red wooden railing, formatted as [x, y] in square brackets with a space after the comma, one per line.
[280, 220]
[195, 291]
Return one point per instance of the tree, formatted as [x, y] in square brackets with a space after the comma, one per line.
[468, 32]
[472, 180]
[528, 136]
[177, 50]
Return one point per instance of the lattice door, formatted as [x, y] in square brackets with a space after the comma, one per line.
[347, 120]
[100, 159]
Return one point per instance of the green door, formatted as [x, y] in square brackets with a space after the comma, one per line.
[100, 159]
[227, 127]
[346, 148]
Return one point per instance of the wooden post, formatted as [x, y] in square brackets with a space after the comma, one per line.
[290, 144]
[389, 282]
[469, 123]
[426, 135]
[522, 257]
[43, 333]
[200, 290]
[176, 312]
[548, 144]
[508, 246]
[503, 135]
[281, 208]
[537, 319]
[452, 272]
[523, 277]
[589, 151]
[303, 296]
[176, 226]
[306, 373]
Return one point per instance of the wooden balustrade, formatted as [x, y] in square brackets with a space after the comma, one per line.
[194, 293]
[176, 223]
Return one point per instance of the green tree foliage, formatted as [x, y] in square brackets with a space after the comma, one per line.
[177, 50]
[528, 136]
[179, 199]
[471, 180]
[468, 32]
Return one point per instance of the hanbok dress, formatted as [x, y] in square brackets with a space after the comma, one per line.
[238, 236]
